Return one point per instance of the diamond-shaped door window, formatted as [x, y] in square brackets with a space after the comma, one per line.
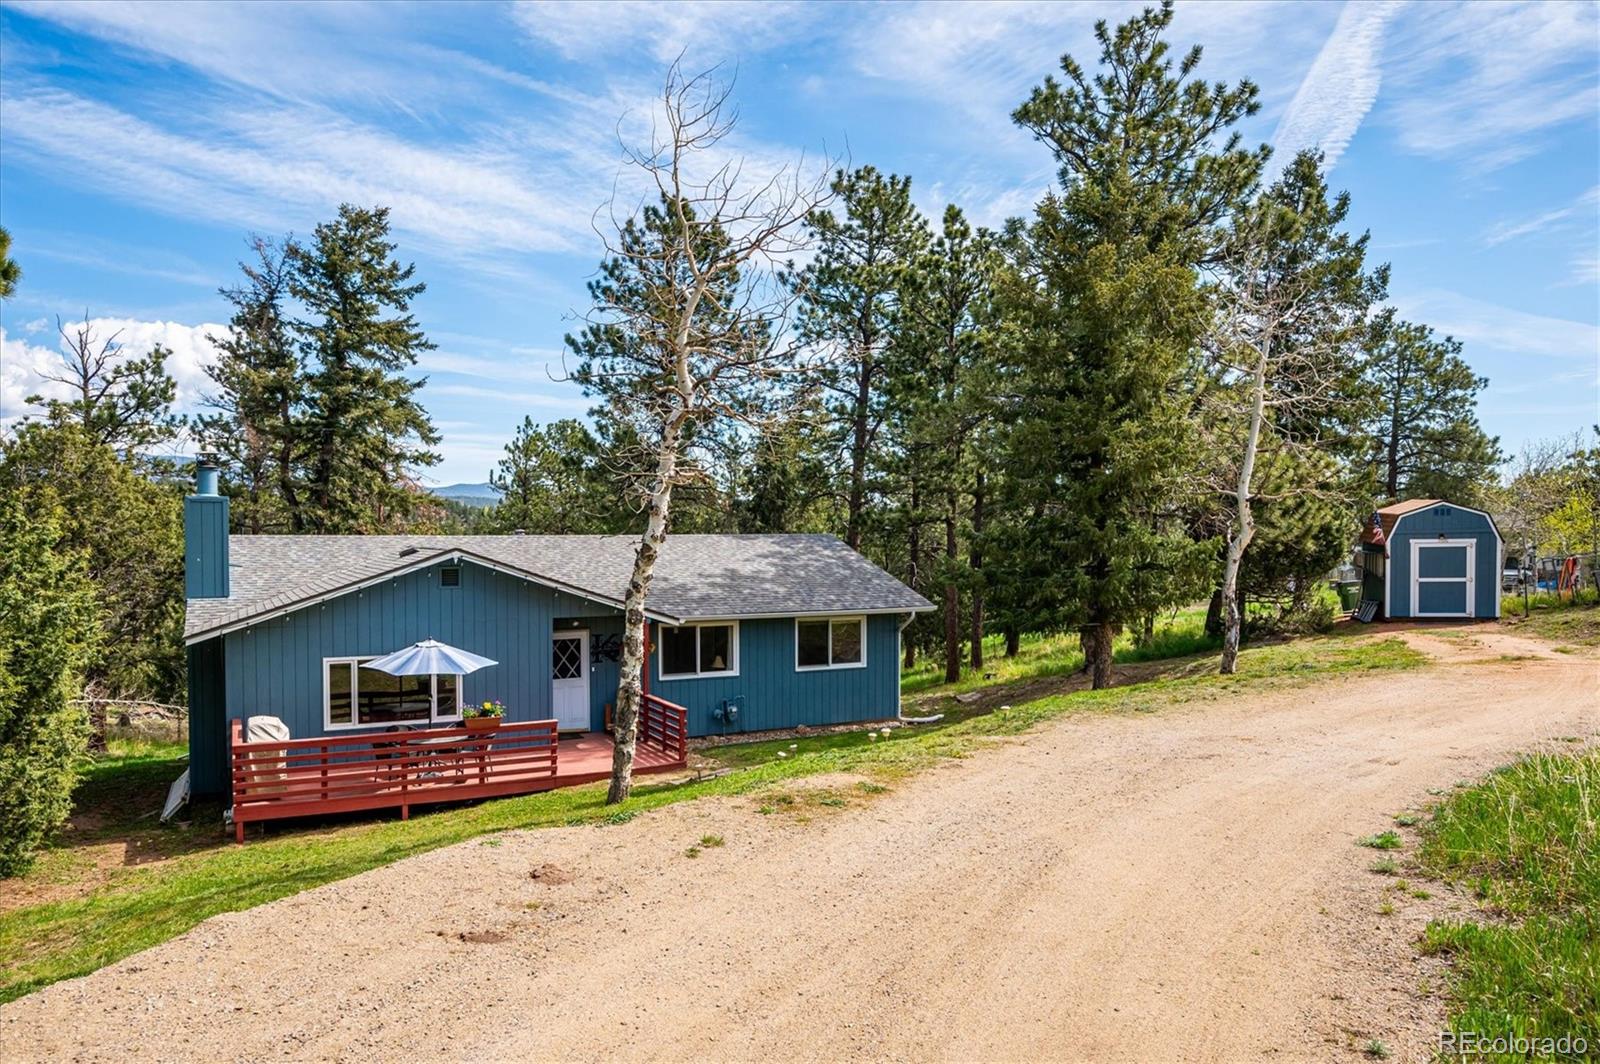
[566, 659]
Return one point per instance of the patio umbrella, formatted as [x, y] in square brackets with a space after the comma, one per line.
[427, 658]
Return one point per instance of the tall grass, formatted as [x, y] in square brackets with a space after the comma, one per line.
[1526, 841]
[1572, 619]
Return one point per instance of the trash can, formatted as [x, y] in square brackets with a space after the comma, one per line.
[1349, 595]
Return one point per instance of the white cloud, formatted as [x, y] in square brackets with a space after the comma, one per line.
[1475, 321]
[25, 366]
[22, 369]
[1339, 89]
[1485, 82]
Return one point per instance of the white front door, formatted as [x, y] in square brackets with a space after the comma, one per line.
[569, 680]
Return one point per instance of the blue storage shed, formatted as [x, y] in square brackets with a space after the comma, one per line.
[1432, 558]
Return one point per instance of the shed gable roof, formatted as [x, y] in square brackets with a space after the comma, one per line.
[1389, 516]
[696, 576]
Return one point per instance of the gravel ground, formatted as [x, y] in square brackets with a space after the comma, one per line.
[1173, 886]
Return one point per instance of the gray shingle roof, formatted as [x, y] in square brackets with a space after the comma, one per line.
[696, 576]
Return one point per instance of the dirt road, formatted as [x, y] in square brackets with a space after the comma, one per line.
[1182, 885]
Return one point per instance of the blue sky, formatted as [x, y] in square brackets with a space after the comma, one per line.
[140, 144]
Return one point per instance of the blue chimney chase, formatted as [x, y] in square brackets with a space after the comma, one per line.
[205, 536]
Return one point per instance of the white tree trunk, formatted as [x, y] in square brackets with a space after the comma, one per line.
[1243, 528]
[630, 692]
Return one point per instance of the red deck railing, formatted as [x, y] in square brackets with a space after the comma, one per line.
[339, 773]
[665, 724]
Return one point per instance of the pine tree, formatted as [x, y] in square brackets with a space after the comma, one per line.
[258, 429]
[10, 272]
[1423, 415]
[849, 303]
[938, 384]
[365, 430]
[47, 638]
[127, 526]
[551, 482]
[1110, 309]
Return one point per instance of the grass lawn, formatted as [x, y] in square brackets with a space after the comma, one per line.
[1525, 841]
[136, 905]
[1571, 621]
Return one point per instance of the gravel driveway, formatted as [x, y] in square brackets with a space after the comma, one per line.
[1177, 885]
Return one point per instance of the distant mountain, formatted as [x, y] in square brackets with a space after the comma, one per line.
[480, 495]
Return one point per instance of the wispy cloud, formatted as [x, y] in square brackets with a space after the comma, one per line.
[1584, 211]
[97, 254]
[533, 366]
[1339, 89]
[571, 401]
[287, 167]
[1485, 83]
[705, 32]
[1476, 321]
[356, 52]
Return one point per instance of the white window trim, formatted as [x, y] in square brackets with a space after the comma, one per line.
[1417, 547]
[362, 659]
[860, 620]
[733, 652]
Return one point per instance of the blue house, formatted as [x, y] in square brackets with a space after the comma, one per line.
[1432, 558]
[747, 632]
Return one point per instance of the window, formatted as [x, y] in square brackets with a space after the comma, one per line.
[355, 696]
[830, 642]
[694, 650]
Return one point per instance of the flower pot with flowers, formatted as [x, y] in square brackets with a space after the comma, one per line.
[485, 716]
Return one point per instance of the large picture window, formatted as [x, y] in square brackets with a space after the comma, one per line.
[354, 696]
[830, 642]
[694, 650]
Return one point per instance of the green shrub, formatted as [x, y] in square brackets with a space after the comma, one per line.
[1318, 613]
[47, 634]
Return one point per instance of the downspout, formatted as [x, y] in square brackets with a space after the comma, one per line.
[899, 707]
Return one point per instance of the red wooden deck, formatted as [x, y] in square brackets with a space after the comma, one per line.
[346, 773]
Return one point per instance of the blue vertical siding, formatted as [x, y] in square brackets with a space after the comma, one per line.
[208, 729]
[777, 695]
[1450, 522]
[276, 667]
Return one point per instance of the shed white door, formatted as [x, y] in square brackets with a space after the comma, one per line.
[1442, 577]
[569, 680]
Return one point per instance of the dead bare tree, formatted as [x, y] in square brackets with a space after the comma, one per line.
[1291, 298]
[685, 332]
[122, 401]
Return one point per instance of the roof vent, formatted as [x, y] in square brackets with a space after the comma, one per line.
[450, 576]
[519, 531]
[406, 552]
